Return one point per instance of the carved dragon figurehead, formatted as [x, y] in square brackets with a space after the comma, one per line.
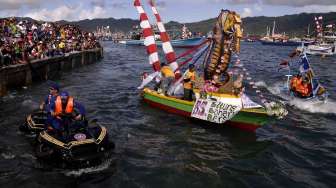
[226, 39]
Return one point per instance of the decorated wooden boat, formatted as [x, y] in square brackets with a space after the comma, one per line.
[219, 95]
[248, 119]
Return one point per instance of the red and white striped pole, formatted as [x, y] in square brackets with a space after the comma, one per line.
[149, 37]
[166, 45]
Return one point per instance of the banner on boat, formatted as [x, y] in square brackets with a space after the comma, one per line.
[216, 111]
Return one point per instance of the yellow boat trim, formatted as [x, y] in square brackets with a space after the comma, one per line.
[251, 110]
[69, 145]
[255, 110]
[32, 124]
[102, 135]
[46, 136]
[152, 92]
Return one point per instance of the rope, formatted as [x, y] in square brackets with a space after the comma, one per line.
[273, 108]
[192, 50]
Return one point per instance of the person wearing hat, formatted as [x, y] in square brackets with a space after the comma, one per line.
[188, 82]
[49, 99]
[65, 105]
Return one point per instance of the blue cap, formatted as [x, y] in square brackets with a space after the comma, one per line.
[64, 94]
[191, 65]
[54, 85]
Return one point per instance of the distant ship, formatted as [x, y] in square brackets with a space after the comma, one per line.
[280, 39]
[325, 44]
[186, 41]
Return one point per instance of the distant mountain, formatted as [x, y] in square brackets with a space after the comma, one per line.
[294, 25]
[124, 24]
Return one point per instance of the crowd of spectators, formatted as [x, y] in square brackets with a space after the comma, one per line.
[24, 40]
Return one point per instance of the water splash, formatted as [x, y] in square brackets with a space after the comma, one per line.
[8, 156]
[91, 170]
[315, 107]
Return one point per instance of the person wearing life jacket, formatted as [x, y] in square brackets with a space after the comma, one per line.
[188, 82]
[300, 87]
[304, 89]
[295, 81]
[65, 105]
[167, 77]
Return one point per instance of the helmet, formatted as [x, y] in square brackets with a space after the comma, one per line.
[191, 66]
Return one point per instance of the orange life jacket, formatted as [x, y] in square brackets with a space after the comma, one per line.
[295, 81]
[303, 89]
[69, 107]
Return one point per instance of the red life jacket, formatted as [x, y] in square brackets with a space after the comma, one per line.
[69, 107]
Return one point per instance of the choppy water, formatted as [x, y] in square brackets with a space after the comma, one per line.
[156, 149]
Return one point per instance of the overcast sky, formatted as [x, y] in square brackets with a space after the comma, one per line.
[177, 10]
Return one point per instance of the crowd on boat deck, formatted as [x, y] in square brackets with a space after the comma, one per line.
[24, 40]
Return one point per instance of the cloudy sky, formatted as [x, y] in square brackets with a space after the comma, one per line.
[178, 10]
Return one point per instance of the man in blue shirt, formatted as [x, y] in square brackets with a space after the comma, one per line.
[49, 99]
[63, 111]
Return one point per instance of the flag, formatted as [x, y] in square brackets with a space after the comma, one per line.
[305, 67]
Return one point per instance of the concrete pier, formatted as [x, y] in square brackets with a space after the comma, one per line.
[42, 69]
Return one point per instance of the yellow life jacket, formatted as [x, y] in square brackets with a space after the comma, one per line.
[167, 72]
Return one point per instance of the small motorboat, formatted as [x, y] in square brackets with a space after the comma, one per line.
[79, 142]
[317, 94]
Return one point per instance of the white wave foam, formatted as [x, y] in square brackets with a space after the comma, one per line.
[105, 165]
[28, 156]
[261, 84]
[7, 155]
[314, 107]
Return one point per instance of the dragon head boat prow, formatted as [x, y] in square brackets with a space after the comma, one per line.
[226, 39]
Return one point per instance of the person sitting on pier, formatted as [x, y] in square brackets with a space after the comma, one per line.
[64, 110]
[188, 82]
[167, 78]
